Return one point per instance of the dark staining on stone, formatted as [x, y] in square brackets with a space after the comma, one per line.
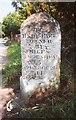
[48, 16]
[44, 23]
[47, 26]
[44, 15]
[30, 27]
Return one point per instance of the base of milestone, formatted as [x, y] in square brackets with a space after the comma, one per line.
[36, 90]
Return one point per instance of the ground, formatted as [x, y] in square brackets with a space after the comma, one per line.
[5, 93]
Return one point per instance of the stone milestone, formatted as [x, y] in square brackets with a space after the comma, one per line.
[41, 51]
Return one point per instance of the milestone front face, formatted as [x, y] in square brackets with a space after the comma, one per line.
[41, 48]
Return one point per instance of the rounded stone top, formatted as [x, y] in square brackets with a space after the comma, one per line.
[40, 20]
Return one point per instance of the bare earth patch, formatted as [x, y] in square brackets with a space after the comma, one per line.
[5, 95]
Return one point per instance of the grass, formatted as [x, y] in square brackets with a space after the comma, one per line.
[12, 71]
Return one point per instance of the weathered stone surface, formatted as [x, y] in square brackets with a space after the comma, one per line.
[41, 47]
